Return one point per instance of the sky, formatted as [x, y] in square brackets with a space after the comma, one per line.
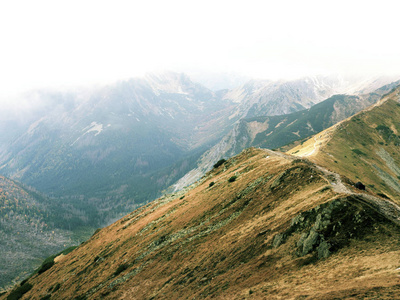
[57, 43]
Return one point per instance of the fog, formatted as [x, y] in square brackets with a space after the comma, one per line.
[64, 44]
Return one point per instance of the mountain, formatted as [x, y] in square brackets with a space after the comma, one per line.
[269, 98]
[370, 155]
[263, 97]
[106, 150]
[278, 131]
[367, 84]
[31, 228]
[262, 225]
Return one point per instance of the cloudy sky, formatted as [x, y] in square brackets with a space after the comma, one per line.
[63, 43]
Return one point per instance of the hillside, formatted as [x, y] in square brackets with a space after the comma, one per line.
[261, 225]
[363, 148]
[284, 130]
[107, 150]
[30, 230]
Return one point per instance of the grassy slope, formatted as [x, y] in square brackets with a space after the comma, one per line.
[365, 148]
[287, 129]
[216, 240]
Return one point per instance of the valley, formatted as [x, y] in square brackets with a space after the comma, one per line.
[300, 209]
[222, 150]
[105, 151]
[279, 226]
[31, 229]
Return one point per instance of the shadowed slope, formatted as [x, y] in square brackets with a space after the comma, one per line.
[31, 228]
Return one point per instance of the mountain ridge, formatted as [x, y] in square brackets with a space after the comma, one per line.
[370, 158]
[278, 131]
[263, 224]
[109, 143]
[270, 231]
[92, 135]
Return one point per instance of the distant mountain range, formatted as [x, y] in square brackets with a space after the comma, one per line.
[106, 150]
[321, 222]
[116, 142]
[96, 154]
[371, 155]
[277, 131]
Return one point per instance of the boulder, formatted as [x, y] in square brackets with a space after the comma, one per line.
[360, 186]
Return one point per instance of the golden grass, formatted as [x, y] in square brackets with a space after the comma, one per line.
[215, 242]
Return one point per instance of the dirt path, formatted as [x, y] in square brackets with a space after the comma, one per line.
[385, 207]
[315, 147]
[335, 180]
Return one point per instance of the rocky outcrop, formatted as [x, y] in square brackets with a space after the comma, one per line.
[330, 227]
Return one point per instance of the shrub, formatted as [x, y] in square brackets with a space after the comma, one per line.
[232, 179]
[219, 163]
[383, 195]
[383, 128]
[120, 269]
[385, 131]
[211, 184]
[360, 186]
[358, 152]
[56, 287]
[45, 266]
[70, 249]
[24, 281]
[20, 291]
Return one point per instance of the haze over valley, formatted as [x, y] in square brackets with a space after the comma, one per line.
[185, 150]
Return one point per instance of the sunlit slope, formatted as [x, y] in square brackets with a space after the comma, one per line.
[262, 225]
[364, 147]
[283, 131]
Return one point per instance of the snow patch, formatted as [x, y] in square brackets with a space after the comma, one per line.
[296, 133]
[93, 127]
[180, 91]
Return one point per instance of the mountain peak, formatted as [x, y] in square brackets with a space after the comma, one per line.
[169, 82]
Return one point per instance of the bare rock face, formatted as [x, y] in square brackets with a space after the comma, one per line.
[329, 227]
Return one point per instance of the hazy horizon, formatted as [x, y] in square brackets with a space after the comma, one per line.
[69, 43]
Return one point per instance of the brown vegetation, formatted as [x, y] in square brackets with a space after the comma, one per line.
[237, 240]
